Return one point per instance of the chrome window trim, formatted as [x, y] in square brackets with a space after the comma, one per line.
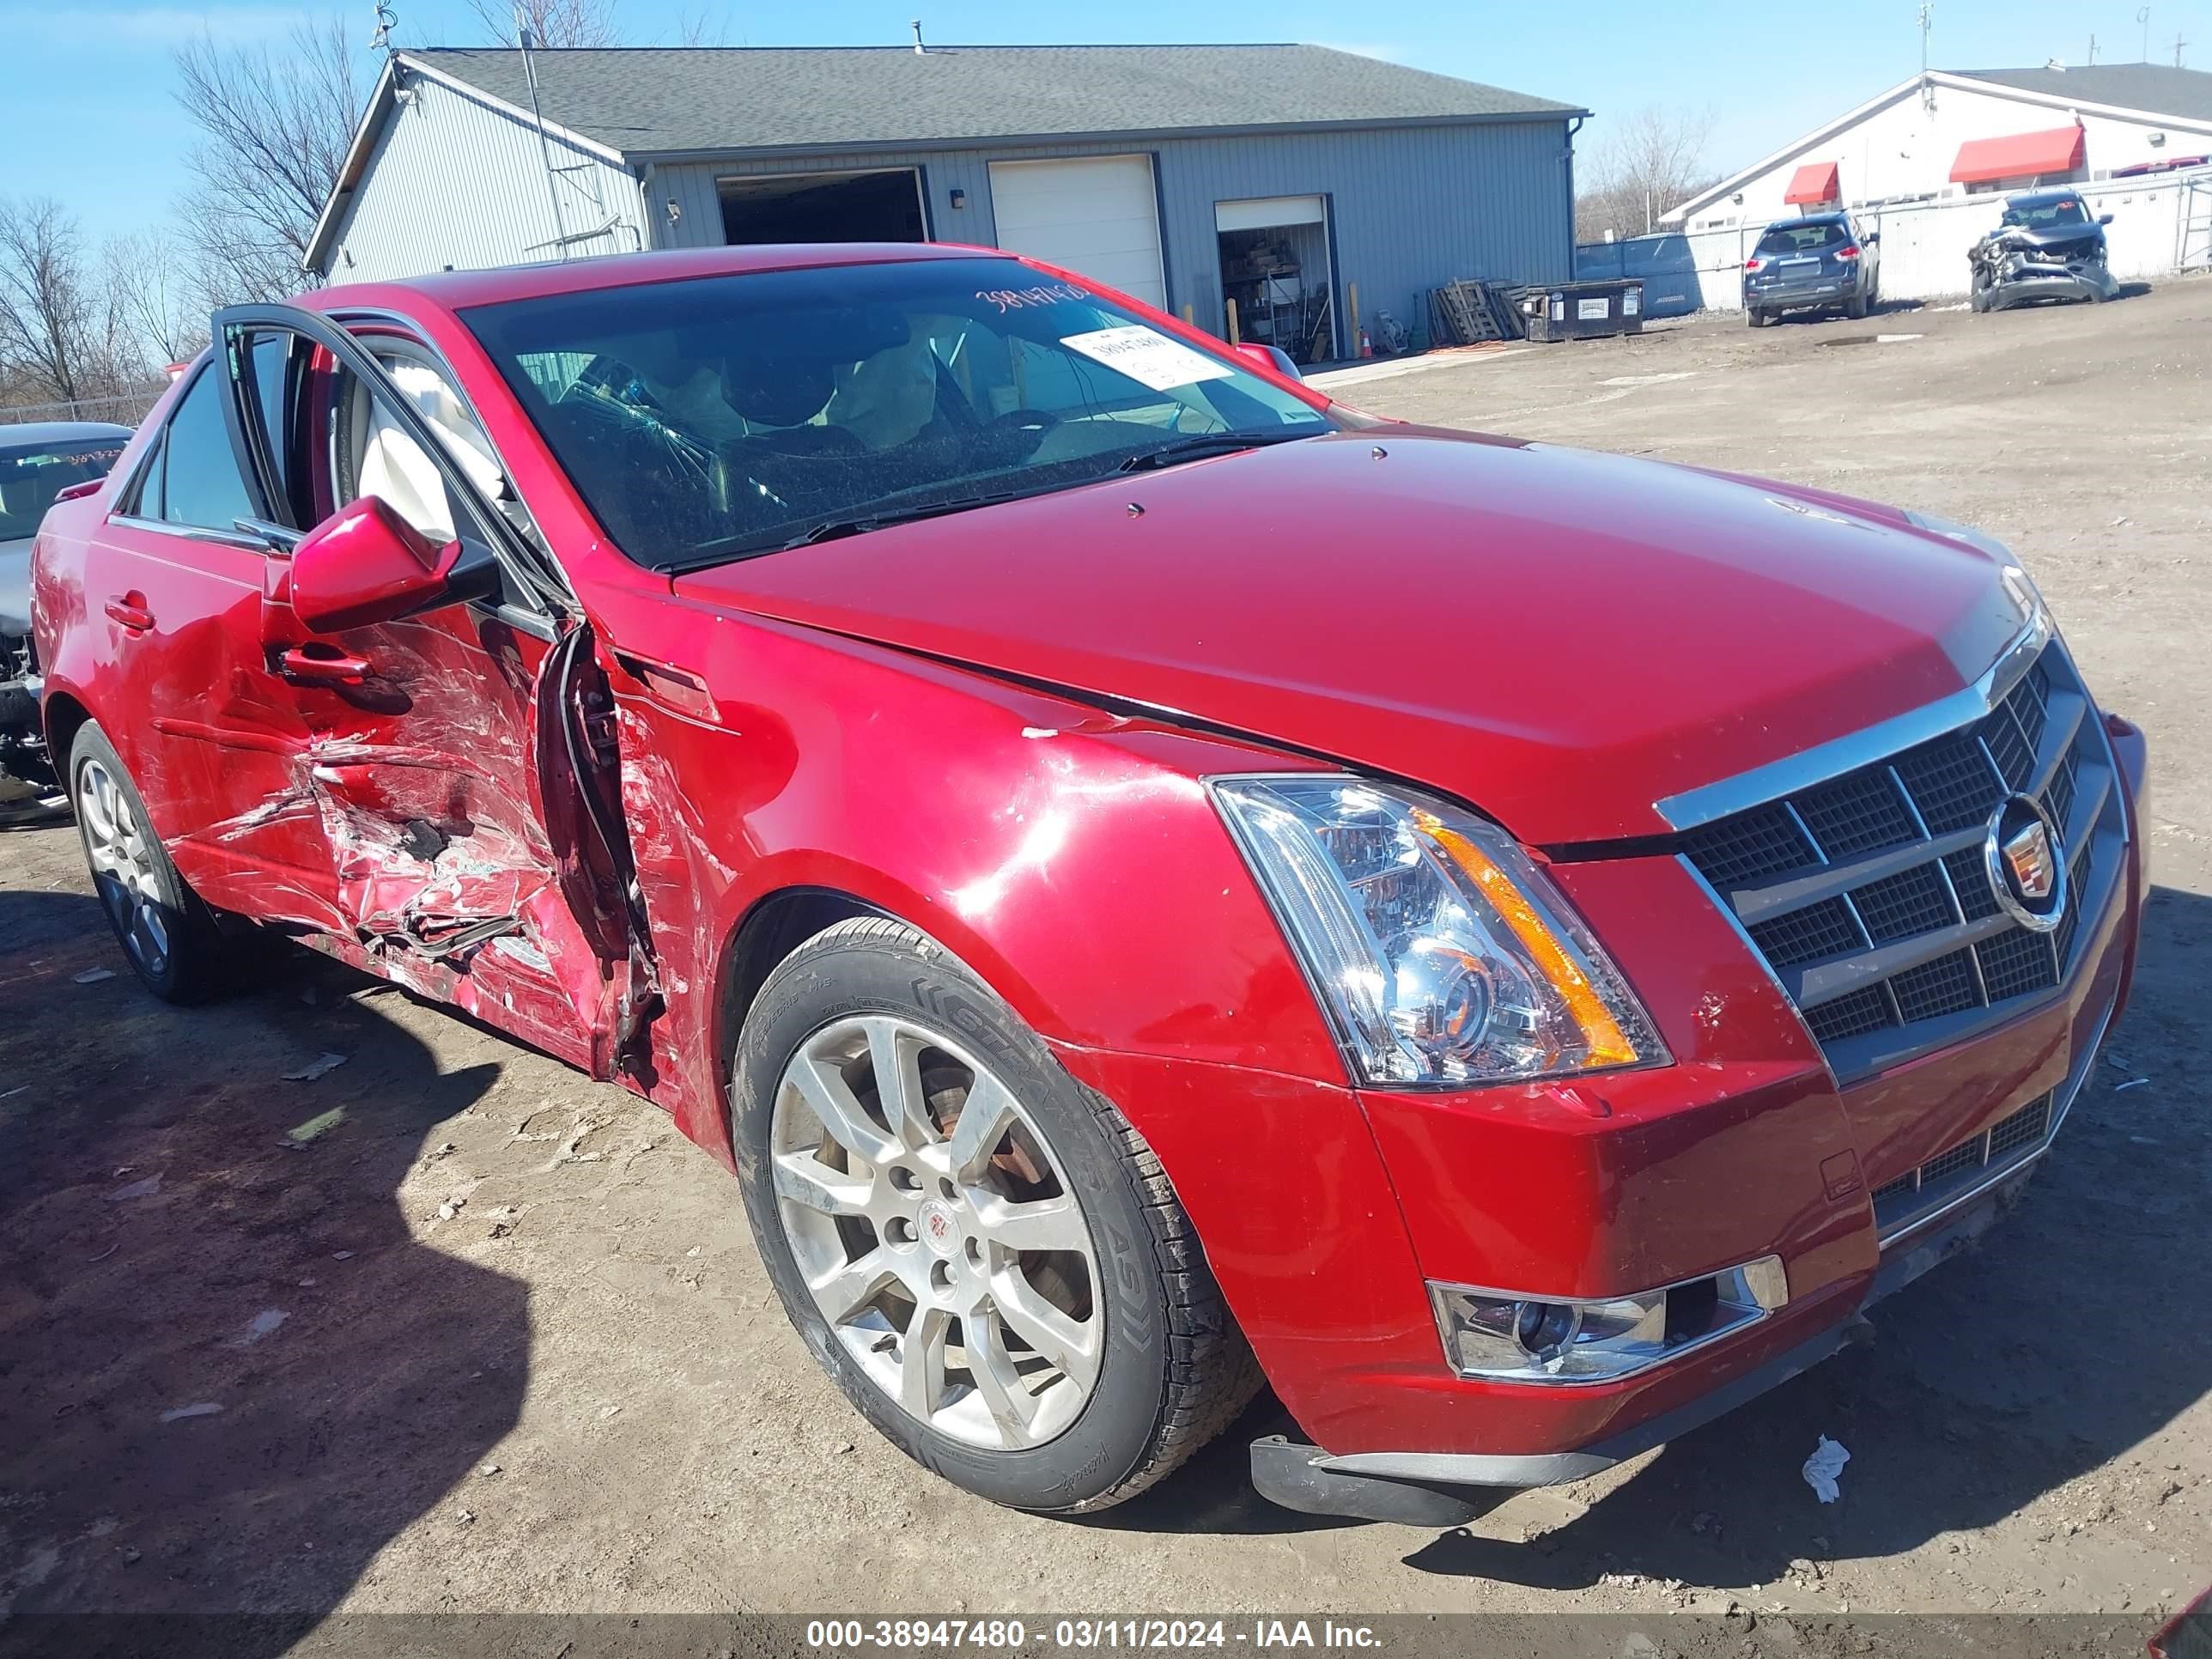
[192, 532]
[1693, 808]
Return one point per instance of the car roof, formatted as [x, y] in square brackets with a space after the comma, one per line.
[1833, 216]
[49, 432]
[458, 290]
[2040, 198]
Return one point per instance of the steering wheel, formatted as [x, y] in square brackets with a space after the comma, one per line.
[1039, 421]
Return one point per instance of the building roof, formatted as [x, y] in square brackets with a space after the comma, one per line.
[2160, 88]
[647, 100]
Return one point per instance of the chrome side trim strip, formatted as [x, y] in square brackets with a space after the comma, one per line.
[1809, 766]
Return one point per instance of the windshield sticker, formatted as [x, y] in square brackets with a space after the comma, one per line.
[1018, 299]
[1147, 356]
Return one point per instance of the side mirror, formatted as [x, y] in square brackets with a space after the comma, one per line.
[365, 564]
[2103, 218]
[1273, 358]
[1871, 237]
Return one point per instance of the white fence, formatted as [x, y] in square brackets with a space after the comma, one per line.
[2160, 226]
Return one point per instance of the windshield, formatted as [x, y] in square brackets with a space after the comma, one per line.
[32, 474]
[2068, 210]
[720, 416]
[1802, 239]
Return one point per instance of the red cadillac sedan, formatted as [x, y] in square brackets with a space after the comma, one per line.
[1154, 880]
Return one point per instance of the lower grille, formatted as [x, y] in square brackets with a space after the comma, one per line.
[1869, 895]
[2011, 1141]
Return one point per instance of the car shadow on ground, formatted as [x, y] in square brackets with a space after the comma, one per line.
[229, 1373]
[2057, 1347]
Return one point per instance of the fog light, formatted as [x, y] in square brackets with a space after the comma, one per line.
[1507, 1337]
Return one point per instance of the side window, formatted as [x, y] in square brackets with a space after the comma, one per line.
[372, 452]
[145, 498]
[200, 482]
[279, 374]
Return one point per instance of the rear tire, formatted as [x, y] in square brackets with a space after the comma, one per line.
[924, 1246]
[1756, 318]
[1856, 307]
[168, 934]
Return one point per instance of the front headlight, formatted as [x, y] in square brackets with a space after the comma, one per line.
[2018, 584]
[1438, 949]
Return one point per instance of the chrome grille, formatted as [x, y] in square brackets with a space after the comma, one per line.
[1820, 930]
[1913, 901]
[1944, 985]
[1869, 893]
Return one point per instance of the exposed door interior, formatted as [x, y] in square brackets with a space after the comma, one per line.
[1095, 215]
[879, 206]
[1275, 266]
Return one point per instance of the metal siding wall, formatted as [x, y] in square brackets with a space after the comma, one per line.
[1412, 206]
[454, 182]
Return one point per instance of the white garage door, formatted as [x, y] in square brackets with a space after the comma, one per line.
[1098, 217]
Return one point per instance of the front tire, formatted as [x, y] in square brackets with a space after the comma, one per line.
[168, 935]
[1016, 1301]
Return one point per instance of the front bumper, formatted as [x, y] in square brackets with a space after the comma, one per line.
[1449, 1489]
[1581, 1192]
[2086, 281]
[22, 746]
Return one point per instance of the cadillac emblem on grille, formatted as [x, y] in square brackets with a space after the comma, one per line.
[2026, 866]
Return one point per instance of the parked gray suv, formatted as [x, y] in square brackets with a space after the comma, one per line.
[37, 461]
[1822, 260]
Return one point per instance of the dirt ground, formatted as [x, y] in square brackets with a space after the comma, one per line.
[495, 1338]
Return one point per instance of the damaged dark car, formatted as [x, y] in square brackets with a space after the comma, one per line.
[2046, 246]
[38, 462]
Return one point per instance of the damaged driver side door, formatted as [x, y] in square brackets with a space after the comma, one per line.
[439, 738]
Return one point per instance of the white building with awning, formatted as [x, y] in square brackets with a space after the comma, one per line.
[1947, 134]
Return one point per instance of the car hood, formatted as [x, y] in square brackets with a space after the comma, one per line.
[15, 586]
[1559, 637]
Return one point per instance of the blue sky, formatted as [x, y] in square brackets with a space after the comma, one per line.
[85, 112]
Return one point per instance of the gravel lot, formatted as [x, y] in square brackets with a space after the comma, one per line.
[497, 1340]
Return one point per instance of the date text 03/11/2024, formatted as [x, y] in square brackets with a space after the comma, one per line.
[1003, 1635]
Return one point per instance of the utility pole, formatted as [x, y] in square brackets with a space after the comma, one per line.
[2179, 43]
[2093, 49]
[1927, 87]
[2142, 16]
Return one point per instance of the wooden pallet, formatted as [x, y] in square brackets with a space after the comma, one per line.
[1469, 313]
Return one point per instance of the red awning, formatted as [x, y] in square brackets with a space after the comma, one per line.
[2024, 155]
[1813, 183]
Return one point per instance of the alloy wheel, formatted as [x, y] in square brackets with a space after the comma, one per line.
[124, 867]
[936, 1233]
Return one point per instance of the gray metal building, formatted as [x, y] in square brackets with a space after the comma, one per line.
[1278, 176]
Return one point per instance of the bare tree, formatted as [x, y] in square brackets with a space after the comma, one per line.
[550, 23]
[275, 128]
[703, 28]
[1654, 159]
[158, 299]
[53, 332]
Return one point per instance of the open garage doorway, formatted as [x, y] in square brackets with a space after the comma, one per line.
[881, 206]
[1276, 268]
